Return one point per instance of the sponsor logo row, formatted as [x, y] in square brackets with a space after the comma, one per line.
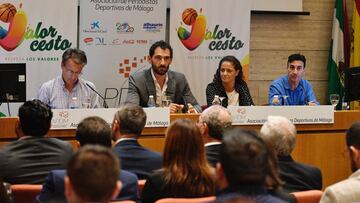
[122, 27]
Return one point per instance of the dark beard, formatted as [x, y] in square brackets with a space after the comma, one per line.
[163, 70]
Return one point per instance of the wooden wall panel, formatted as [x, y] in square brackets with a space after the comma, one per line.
[274, 37]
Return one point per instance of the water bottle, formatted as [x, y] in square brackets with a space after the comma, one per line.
[216, 100]
[74, 103]
[275, 101]
[151, 102]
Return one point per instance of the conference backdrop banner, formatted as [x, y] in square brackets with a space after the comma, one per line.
[202, 32]
[116, 36]
[36, 33]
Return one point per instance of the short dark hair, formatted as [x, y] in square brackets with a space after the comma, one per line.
[93, 172]
[244, 157]
[353, 135]
[94, 130]
[296, 57]
[35, 118]
[132, 119]
[163, 45]
[77, 55]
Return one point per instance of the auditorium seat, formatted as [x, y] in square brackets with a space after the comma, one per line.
[186, 200]
[310, 196]
[24, 193]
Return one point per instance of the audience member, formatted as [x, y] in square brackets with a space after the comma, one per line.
[185, 171]
[347, 190]
[273, 182]
[128, 123]
[229, 83]
[280, 133]
[29, 159]
[92, 175]
[212, 123]
[292, 89]
[96, 131]
[160, 82]
[68, 90]
[243, 166]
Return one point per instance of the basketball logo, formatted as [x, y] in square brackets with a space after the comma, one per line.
[7, 12]
[189, 16]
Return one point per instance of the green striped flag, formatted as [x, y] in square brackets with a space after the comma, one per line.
[339, 50]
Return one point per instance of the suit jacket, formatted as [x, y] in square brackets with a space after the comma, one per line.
[343, 192]
[212, 154]
[54, 187]
[253, 192]
[29, 160]
[298, 176]
[137, 159]
[141, 85]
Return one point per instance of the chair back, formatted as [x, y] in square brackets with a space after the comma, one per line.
[186, 200]
[124, 201]
[310, 196]
[24, 193]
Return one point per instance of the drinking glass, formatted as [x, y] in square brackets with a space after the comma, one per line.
[334, 100]
[165, 101]
[86, 103]
[221, 100]
[284, 99]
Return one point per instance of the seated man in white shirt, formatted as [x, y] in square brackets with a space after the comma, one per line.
[68, 90]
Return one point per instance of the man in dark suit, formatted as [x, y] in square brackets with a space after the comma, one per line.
[243, 167]
[280, 133]
[212, 122]
[29, 159]
[92, 175]
[160, 82]
[90, 131]
[127, 125]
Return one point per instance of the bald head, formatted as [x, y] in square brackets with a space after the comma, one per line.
[217, 119]
[280, 133]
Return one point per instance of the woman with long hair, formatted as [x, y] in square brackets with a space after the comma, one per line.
[229, 84]
[185, 171]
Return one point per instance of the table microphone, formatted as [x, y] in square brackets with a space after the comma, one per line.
[105, 104]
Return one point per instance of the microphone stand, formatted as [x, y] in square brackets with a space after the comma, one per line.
[104, 104]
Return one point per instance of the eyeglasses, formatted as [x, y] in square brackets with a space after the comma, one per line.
[160, 58]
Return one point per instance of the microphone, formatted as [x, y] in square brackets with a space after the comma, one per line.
[105, 104]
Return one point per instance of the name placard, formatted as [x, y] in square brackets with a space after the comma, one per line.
[255, 115]
[70, 118]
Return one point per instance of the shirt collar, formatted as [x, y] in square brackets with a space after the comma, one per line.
[154, 78]
[212, 143]
[123, 139]
[287, 85]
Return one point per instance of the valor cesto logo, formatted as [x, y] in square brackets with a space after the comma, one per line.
[220, 39]
[17, 31]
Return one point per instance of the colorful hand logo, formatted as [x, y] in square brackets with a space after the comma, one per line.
[198, 28]
[12, 38]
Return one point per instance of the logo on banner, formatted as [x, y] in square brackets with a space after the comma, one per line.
[153, 27]
[89, 40]
[12, 38]
[220, 39]
[18, 32]
[124, 28]
[95, 27]
[126, 65]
